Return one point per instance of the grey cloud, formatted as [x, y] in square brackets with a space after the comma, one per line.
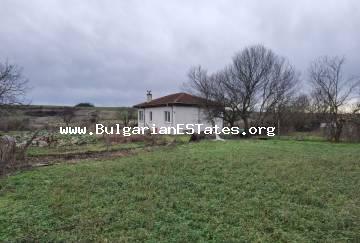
[111, 52]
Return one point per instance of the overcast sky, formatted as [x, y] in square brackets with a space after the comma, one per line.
[109, 52]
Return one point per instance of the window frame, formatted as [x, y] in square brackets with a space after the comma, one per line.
[141, 115]
[167, 114]
[150, 116]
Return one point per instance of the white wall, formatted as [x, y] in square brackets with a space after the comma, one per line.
[158, 117]
[193, 115]
[179, 115]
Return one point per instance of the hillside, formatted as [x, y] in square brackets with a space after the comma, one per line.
[36, 116]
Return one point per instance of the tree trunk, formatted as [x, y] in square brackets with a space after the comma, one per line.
[246, 126]
[338, 131]
[278, 127]
[231, 123]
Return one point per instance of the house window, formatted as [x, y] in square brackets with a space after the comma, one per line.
[141, 115]
[167, 116]
[150, 115]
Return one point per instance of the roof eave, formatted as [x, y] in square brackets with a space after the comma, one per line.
[167, 104]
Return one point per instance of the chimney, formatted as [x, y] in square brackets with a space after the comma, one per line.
[148, 96]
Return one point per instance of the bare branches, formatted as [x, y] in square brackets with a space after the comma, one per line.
[260, 86]
[23, 150]
[261, 81]
[200, 82]
[13, 85]
[205, 86]
[250, 71]
[331, 90]
[326, 76]
[278, 89]
[257, 80]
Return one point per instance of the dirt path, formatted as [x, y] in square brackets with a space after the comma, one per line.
[48, 160]
[72, 158]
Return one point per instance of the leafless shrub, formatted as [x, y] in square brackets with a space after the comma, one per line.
[68, 114]
[11, 156]
[126, 116]
[13, 85]
[23, 149]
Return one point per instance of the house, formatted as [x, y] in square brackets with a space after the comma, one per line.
[174, 109]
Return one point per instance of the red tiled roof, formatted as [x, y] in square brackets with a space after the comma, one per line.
[173, 99]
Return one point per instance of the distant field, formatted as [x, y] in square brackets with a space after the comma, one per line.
[248, 190]
[37, 116]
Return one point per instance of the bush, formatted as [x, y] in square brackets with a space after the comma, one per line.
[85, 104]
[351, 132]
[14, 124]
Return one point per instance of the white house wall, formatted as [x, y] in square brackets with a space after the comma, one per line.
[193, 115]
[158, 117]
[179, 115]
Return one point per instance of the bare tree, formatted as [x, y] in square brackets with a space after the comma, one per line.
[203, 85]
[13, 85]
[250, 71]
[200, 82]
[332, 91]
[260, 81]
[257, 80]
[277, 92]
[217, 101]
[224, 97]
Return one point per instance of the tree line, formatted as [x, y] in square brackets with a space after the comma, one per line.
[260, 87]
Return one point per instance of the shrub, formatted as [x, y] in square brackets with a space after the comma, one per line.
[14, 124]
[85, 104]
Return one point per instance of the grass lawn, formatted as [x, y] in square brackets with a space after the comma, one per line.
[229, 191]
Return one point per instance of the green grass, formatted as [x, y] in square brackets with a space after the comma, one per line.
[302, 136]
[210, 191]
